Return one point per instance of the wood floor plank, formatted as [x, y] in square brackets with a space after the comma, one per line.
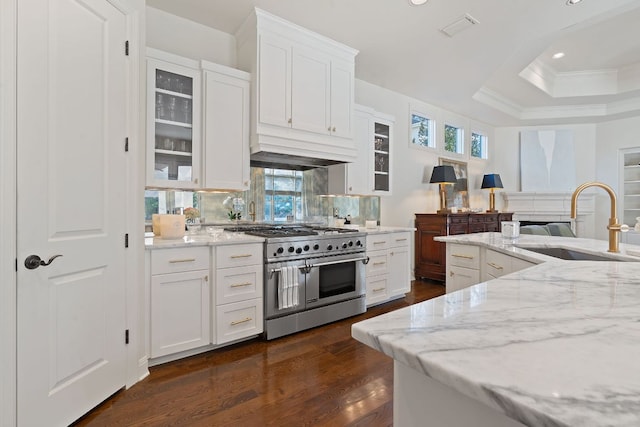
[320, 377]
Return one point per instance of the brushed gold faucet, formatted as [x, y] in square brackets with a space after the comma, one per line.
[613, 227]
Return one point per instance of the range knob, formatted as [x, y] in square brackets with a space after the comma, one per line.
[350, 243]
[291, 249]
[329, 247]
[299, 250]
[344, 246]
[316, 247]
[280, 250]
[306, 248]
[358, 243]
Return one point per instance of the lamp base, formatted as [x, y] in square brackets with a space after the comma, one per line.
[443, 211]
[492, 211]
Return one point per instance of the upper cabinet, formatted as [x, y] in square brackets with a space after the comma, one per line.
[226, 127]
[197, 124]
[303, 89]
[370, 173]
[173, 124]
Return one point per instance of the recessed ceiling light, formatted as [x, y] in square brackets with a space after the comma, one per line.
[417, 2]
[570, 2]
[557, 55]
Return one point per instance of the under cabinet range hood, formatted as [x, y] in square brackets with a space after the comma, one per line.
[265, 159]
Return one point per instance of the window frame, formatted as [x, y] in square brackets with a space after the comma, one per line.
[460, 141]
[432, 129]
[484, 153]
[270, 194]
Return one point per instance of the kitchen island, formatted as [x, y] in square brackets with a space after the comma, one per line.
[556, 344]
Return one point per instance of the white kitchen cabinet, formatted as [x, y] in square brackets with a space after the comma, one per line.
[304, 89]
[179, 300]
[370, 173]
[399, 264]
[630, 185]
[463, 266]
[469, 264]
[225, 127]
[197, 124]
[497, 264]
[388, 270]
[239, 292]
[173, 121]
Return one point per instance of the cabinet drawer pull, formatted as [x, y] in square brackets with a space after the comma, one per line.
[175, 261]
[245, 320]
[496, 266]
[241, 256]
[238, 285]
[378, 289]
[379, 263]
[380, 242]
[401, 240]
[462, 256]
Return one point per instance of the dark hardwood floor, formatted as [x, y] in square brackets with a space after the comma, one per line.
[320, 377]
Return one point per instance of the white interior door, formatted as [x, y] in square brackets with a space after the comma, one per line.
[72, 86]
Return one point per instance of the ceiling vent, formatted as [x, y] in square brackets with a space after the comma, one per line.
[467, 21]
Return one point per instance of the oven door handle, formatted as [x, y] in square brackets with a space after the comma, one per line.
[364, 260]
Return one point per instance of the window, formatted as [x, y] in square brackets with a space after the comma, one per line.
[453, 139]
[422, 131]
[478, 145]
[283, 194]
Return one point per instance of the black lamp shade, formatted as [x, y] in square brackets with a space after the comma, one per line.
[443, 173]
[491, 181]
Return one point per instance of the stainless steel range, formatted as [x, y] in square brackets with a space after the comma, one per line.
[312, 276]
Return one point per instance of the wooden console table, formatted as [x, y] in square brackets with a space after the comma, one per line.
[430, 256]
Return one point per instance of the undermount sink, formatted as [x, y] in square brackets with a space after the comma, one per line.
[569, 254]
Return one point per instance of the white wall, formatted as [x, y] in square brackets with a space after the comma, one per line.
[412, 166]
[611, 138]
[505, 155]
[189, 39]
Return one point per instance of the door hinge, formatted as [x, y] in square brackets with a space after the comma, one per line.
[126, 336]
[126, 240]
[126, 47]
[126, 145]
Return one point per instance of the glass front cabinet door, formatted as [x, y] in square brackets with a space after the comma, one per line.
[173, 125]
[381, 156]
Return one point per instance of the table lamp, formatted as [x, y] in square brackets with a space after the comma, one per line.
[443, 175]
[492, 181]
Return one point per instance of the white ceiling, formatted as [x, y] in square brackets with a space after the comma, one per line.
[499, 71]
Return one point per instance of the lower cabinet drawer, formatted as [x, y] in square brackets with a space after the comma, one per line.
[377, 289]
[238, 284]
[461, 277]
[463, 255]
[238, 320]
[378, 263]
[237, 255]
[175, 260]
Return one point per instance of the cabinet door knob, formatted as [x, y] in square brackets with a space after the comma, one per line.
[289, 121]
[451, 273]
[329, 128]
[334, 129]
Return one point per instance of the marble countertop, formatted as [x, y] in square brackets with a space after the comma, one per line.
[229, 238]
[556, 344]
[203, 239]
[518, 247]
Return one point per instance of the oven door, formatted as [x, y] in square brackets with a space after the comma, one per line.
[335, 278]
[276, 302]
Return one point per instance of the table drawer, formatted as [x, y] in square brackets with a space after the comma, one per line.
[238, 255]
[176, 260]
[238, 284]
